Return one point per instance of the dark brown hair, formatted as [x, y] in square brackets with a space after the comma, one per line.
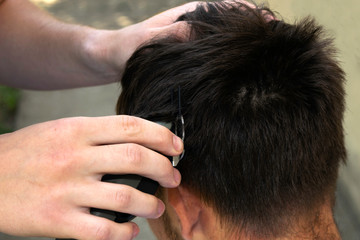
[263, 104]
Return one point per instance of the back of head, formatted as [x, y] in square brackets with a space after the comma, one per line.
[263, 105]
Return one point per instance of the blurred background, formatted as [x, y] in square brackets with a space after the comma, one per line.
[20, 109]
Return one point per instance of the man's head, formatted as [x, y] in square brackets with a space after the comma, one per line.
[263, 105]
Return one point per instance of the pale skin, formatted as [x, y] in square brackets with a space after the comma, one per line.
[35, 47]
[50, 172]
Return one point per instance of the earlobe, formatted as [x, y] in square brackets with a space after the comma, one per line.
[188, 209]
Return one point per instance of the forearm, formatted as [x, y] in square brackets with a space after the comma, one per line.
[40, 52]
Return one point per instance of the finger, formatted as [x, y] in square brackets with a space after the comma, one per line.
[120, 198]
[88, 227]
[234, 3]
[171, 15]
[128, 129]
[182, 28]
[132, 159]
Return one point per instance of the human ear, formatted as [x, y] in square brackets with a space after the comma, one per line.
[188, 209]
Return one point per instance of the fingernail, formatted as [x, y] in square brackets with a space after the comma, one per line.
[136, 230]
[177, 176]
[178, 144]
[161, 208]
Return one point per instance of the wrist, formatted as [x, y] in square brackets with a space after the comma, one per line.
[97, 54]
[109, 50]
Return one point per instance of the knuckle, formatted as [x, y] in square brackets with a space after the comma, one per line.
[165, 138]
[153, 211]
[102, 232]
[134, 154]
[65, 137]
[127, 232]
[166, 177]
[166, 169]
[60, 126]
[130, 125]
[122, 198]
[67, 126]
[49, 217]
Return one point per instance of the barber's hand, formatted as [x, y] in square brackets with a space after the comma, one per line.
[114, 48]
[50, 175]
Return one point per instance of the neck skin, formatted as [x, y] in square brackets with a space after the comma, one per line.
[186, 217]
[319, 225]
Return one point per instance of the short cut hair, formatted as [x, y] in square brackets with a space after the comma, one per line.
[263, 104]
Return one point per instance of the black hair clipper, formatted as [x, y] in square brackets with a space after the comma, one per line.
[143, 184]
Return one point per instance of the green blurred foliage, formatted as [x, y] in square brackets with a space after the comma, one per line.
[8, 98]
[8, 102]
